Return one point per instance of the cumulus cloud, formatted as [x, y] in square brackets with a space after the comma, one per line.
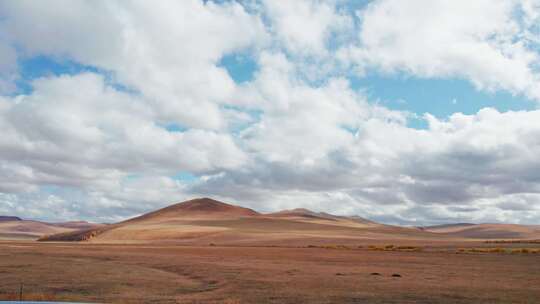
[481, 41]
[167, 51]
[468, 167]
[153, 101]
[77, 130]
[8, 68]
[305, 27]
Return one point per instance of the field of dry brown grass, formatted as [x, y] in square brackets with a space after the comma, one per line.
[206, 251]
[314, 274]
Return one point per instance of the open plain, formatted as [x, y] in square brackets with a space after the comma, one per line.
[206, 251]
[110, 273]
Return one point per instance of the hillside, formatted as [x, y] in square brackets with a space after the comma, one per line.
[305, 215]
[23, 229]
[4, 218]
[13, 228]
[203, 208]
[204, 221]
[487, 231]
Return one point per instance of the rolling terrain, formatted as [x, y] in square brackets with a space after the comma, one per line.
[206, 251]
[206, 221]
[14, 228]
[163, 273]
[487, 231]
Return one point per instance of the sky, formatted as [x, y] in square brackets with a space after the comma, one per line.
[412, 112]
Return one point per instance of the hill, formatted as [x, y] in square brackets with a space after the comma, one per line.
[13, 228]
[4, 218]
[77, 225]
[23, 229]
[202, 208]
[305, 215]
[204, 221]
[486, 231]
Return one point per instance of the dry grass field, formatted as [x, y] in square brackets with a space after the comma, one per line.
[108, 273]
[205, 251]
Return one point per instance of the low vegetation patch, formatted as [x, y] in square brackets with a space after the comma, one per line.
[342, 247]
[512, 242]
[391, 247]
[15, 296]
[500, 250]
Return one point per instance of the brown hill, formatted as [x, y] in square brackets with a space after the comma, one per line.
[12, 227]
[486, 231]
[170, 223]
[78, 225]
[4, 218]
[301, 214]
[197, 208]
[22, 229]
[204, 221]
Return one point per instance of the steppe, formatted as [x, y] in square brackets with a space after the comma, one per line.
[205, 251]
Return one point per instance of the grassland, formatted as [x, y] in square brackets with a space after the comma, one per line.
[417, 273]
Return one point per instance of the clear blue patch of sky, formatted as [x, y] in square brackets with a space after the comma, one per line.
[353, 6]
[185, 177]
[241, 67]
[46, 66]
[174, 127]
[439, 97]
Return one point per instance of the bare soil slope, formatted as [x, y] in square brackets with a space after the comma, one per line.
[305, 215]
[4, 218]
[205, 221]
[15, 228]
[487, 231]
[22, 229]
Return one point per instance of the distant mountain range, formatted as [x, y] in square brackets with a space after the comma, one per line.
[206, 221]
[9, 218]
[12, 227]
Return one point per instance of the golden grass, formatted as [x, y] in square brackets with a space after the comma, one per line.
[512, 242]
[14, 296]
[500, 250]
[202, 274]
[392, 247]
[342, 247]
[389, 247]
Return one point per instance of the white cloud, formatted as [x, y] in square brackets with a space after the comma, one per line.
[463, 168]
[168, 50]
[95, 144]
[482, 41]
[293, 110]
[8, 68]
[306, 26]
[76, 130]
